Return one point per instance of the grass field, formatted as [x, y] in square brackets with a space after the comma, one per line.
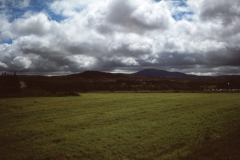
[124, 126]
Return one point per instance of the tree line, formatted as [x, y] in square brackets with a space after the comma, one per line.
[9, 83]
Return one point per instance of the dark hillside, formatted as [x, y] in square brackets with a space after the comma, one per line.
[145, 80]
[161, 73]
[98, 75]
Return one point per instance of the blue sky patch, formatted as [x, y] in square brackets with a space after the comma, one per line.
[181, 15]
[9, 41]
[35, 6]
[182, 3]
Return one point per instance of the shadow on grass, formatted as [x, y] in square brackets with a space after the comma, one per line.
[227, 147]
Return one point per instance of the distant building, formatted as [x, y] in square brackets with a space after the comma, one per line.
[23, 85]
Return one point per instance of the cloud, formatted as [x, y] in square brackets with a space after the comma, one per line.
[81, 61]
[194, 36]
[72, 7]
[3, 65]
[5, 33]
[22, 62]
[139, 17]
[220, 10]
[35, 24]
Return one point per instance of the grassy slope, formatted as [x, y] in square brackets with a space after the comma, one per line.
[119, 126]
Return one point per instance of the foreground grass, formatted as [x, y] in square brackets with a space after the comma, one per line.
[119, 126]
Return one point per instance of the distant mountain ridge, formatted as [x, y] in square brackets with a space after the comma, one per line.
[161, 73]
[98, 75]
[143, 73]
[154, 73]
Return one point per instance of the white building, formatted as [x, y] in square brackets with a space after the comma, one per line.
[23, 85]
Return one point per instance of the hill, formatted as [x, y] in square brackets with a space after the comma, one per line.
[98, 75]
[161, 73]
[145, 80]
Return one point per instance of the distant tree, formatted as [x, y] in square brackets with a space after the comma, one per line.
[9, 84]
[111, 88]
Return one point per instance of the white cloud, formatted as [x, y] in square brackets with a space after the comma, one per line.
[82, 61]
[5, 33]
[3, 65]
[35, 24]
[154, 15]
[71, 7]
[129, 62]
[22, 62]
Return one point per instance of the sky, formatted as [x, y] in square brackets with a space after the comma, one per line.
[54, 37]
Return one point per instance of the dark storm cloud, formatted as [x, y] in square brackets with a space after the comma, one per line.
[226, 11]
[125, 51]
[228, 57]
[120, 14]
[119, 11]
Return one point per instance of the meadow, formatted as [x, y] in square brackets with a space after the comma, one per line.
[125, 126]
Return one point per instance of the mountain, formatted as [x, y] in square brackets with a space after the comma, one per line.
[98, 75]
[144, 73]
[161, 73]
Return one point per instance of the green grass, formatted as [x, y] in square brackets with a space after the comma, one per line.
[120, 126]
